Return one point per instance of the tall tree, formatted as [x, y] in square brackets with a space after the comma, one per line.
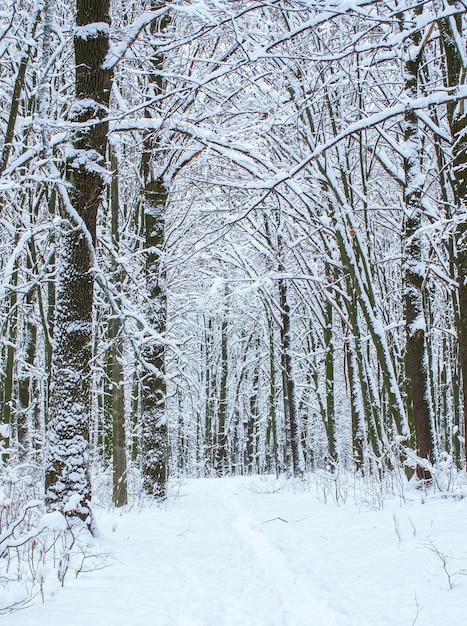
[452, 30]
[154, 445]
[115, 355]
[68, 487]
[413, 269]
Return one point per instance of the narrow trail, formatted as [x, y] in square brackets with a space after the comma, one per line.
[300, 604]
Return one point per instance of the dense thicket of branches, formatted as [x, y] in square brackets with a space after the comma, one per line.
[280, 256]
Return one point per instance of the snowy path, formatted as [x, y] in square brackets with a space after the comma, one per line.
[235, 552]
[297, 600]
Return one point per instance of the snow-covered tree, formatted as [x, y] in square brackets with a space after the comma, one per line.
[68, 487]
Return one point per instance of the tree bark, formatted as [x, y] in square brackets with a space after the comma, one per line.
[68, 487]
[7, 399]
[26, 382]
[221, 448]
[329, 381]
[455, 75]
[413, 276]
[154, 445]
[290, 401]
[119, 464]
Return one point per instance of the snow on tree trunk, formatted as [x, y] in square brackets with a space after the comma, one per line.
[290, 401]
[221, 461]
[413, 273]
[115, 366]
[154, 445]
[454, 48]
[68, 487]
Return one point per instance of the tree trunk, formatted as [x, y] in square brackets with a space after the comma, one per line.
[221, 448]
[272, 461]
[413, 277]
[68, 487]
[290, 401]
[154, 444]
[26, 386]
[329, 382]
[7, 399]
[209, 390]
[119, 465]
[455, 75]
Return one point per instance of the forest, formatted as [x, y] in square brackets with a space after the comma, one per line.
[233, 241]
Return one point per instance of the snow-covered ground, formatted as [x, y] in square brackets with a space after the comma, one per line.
[265, 552]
